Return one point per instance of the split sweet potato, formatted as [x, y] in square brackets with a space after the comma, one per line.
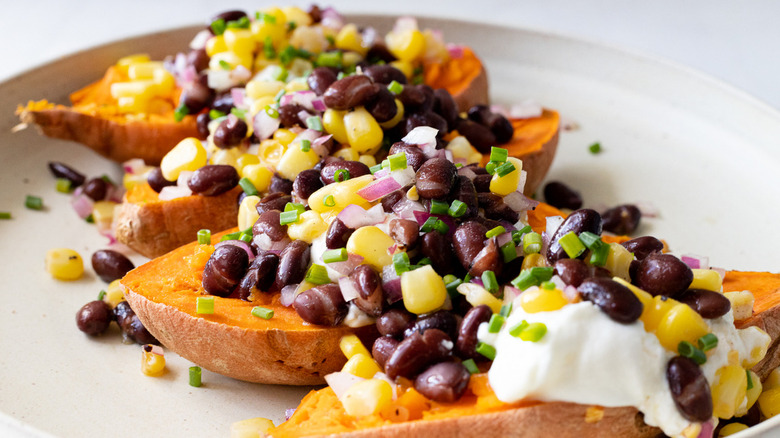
[463, 76]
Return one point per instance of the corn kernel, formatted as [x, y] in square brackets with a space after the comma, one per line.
[368, 160]
[537, 299]
[344, 193]
[681, 323]
[477, 295]
[143, 70]
[270, 152]
[363, 132]
[351, 59]
[533, 261]
[115, 293]
[226, 61]
[729, 391]
[145, 89]
[295, 161]
[351, 345]
[372, 244]
[423, 290]
[349, 38]
[247, 212]
[284, 136]
[399, 115]
[240, 41]
[773, 381]
[692, 431]
[132, 105]
[262, 31]
[250, 428]
[655, 311]
[245, 160]
[361, 365]
[706, 279]
[643, 296]
[406, 67]
[152, 362]
[103, 213]
[759, 352]
[309, 226]
[618, 261]
[309, 38]
[406, 45]
[367, 397]
[741, 304]
[731, 429]
[333, 123]
[434, 47]
[189, 154]
[752, 393]
[64, 264]
[260, 176]
[227, 157]
[130, 180]
[297, 15]
[258, 105]
[769, 402]
[462, 149]
[348, 154]
[165, 82]
[504, 185]
[215, 44]
[124, 63]
[257, 88]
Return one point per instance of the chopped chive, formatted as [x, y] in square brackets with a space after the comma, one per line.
[272, 112]
[385, 164]
[571, 244]
[33, 202]
[708, 342]
[518, 328]
[305, 145]
[330, 59]
[548, 285]
[375, 169]
[441, 227]
[218, 26]
[204, 237]
[180, 112]
[458, 165]
[279, 95]
[397, 161]
[101, 295]
[532, 243]
[449, 278]
[89, 219]
[335, 255]
[452, 286]
[245, 237]
[599, 255]
[508, 251]
[595, 148]
[532, 277]
[268, 48]
[505, 169]
[224, 64]
[471, 366]
[288, 217]
[486, 350]
[517, 235]
[240, 113]
[231, 236]
[5, 215]
[686, 349]
[64, 185]
[395, 87]
[428, 224]
[280, 74]
[317, 274]
[195, 376]
[506, 309]
[401, 263]
[290, 206]
[534, 332]
[215, 114]
[495, 323]
[291, 26]
[498, 155]
[491, 167]
[341, 175]
[497, 231]
[423, 262]
[590, 240]
[262, 312]
[489, 281]
[749, 380]
[457, 208]
[467, 278]
[329, 201]
[314, 122]
[439, 207]
[204, 305]
[241, 23]
[247, 186]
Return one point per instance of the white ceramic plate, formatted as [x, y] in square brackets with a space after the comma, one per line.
[704, 154]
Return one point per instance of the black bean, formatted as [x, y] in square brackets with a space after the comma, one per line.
[196, 95]
[414, 155]
[384, 74]
[213, 179]
[293, 262]
[223, 102]
[315, 13]
[466, 193]
[417, 352]
[560, 195]
[413, 98]
[579, 221]
[495, 207]
[260, 275]
[436, 178]
[706, 303]
[426, 119]
[273, 201]
[612, 298]
[131, 326]
[369, 286]
[445, 106]
[482, 183]
[663, 274]
[690, 390]
[157, 181]
[394, 322]
[269, 223]
[379, 52]
[441, 319]
[96, 189]
[320, 79]
[444, 382]
[280, 185]
[466, 343]
[478, 135]
[230, 132]
[288, 115]
[337, 235]
[62, 170]
[643, 246]
[389, 200]
[202, 123]
[383, 107]
[571, 271]
[111, 265]
[383, 348]
[321, 305]
[623, 219]
[404, 232]
[467, 241]
[438, 247]
[306, 183]
[355, 169]
[94, 317]
[349, 92]
[199, 59]
[489, 258]
[502, 128]
[224, 270]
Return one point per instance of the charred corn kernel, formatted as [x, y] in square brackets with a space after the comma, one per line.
[462, 149]
[152, 362]
[367, 397]
[351, 345]
[368, 160]
[773, 381]
[145, 89]
[115, 293]
[363, 132]
[741, 304]
[398, 117]
[731, 429]
[655, 311]
[227, 156]
[240, 41]
[681, 323]
[537, 299]
[309, 226]
[349, 38]
[752, 393]
[103, 213]
[769, 402]
[143, 70]
[423, 289]
[344, 193]
[372, 244]
[361, 365]
[348, 154]
[297, 15]
[295, 160]
[247, 212]
[257, 88]
[284, 136]
[729, 391]
[270, 152]
[64, 264]
[406, 67]
[245, 160]
[333, 122]
[260, 176]
[504, 185]
[618, 261]
[124, 63]
[250, 428]
[406, 45]
[477, 295]
[189, 154]
[757, 353]
[706, 279]
[215, 44]
[533, 260]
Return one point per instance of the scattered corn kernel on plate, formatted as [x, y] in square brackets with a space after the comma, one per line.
[699, 153]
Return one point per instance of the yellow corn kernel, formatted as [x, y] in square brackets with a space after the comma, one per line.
[115, 293]
[681, 323]
[348, 154]
[406, 67]
[165, 82]
[152, 363]
[227, 156]
[692, 431]
[349, 38]
[462, 149]
[136, 89]
[130, 180]
[344, 193]
[539, 299]
[372, 244]
[363, 132]
[351, 345]
[284, 136]
[250, 428]
[351, 59]
[752, 393]
[759, 352]
[362, 365]
[298, 84]
[143, 70]
[731, 429]
[367, 397]
[504, 185]
[434, 47]
[257, 88]
[413, 194]
[643, 296]
[309, 226]
[706, 279]
[215, 44]
[773, 381]
[103, 213]
[477, 295]
[132, 105]
[247, 212]
[423, 289]
[259, 174]
[368, 160]
[295, 161]
[406, 45]
[741, 304]
[263, 30]
[398, 117]
[229, 61]
[533, 261]
[729, 391]
[64, 264]
[240, 41]
[245, 160]
[309, 38]
[297, 15]
[769, 402]
[655, 311]
[270, 152]
[333, 123]
[618, 261]
[189, 154]
[260, 105]
[125, 62]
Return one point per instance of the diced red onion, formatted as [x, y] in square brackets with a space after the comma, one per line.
[421, 136]
[378, 189]
[525, 110]
[265, 125]
[200, 40]
[184, 178]
[504, 238]
[707, 429]
[381, 173]
[332, 19]
[510, 293]
[448, 155]
[405, 208]
[429, 150]
[499, 109]
[286, 99]
[107, 231]
[693, 261]
[115, 193]
[355, 216]
[341, 381]
[405, 23]
[288, 413]
[239, 243]
[173, 192]
[558, 281]
[519, 202]
[521, 182]
[467, 172]
[319, 145]
[720, 271]
[570, 292]
[455, 51]
[347, 266]
[404, 176]
[369, 35]
[388, 273]
[308, 134]
[318, 105]
[188, 75]
[238, 95]
[478, 281]
[288, 295]
[392, 290]
[240, 74]
[135, 166]
[553, 222]
[348, 289]
[262, 241]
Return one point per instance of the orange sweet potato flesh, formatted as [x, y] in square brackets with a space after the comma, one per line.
[535, 141]
[464, 77]
[93, 120]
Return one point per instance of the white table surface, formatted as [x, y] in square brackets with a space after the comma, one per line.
[735, 41]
